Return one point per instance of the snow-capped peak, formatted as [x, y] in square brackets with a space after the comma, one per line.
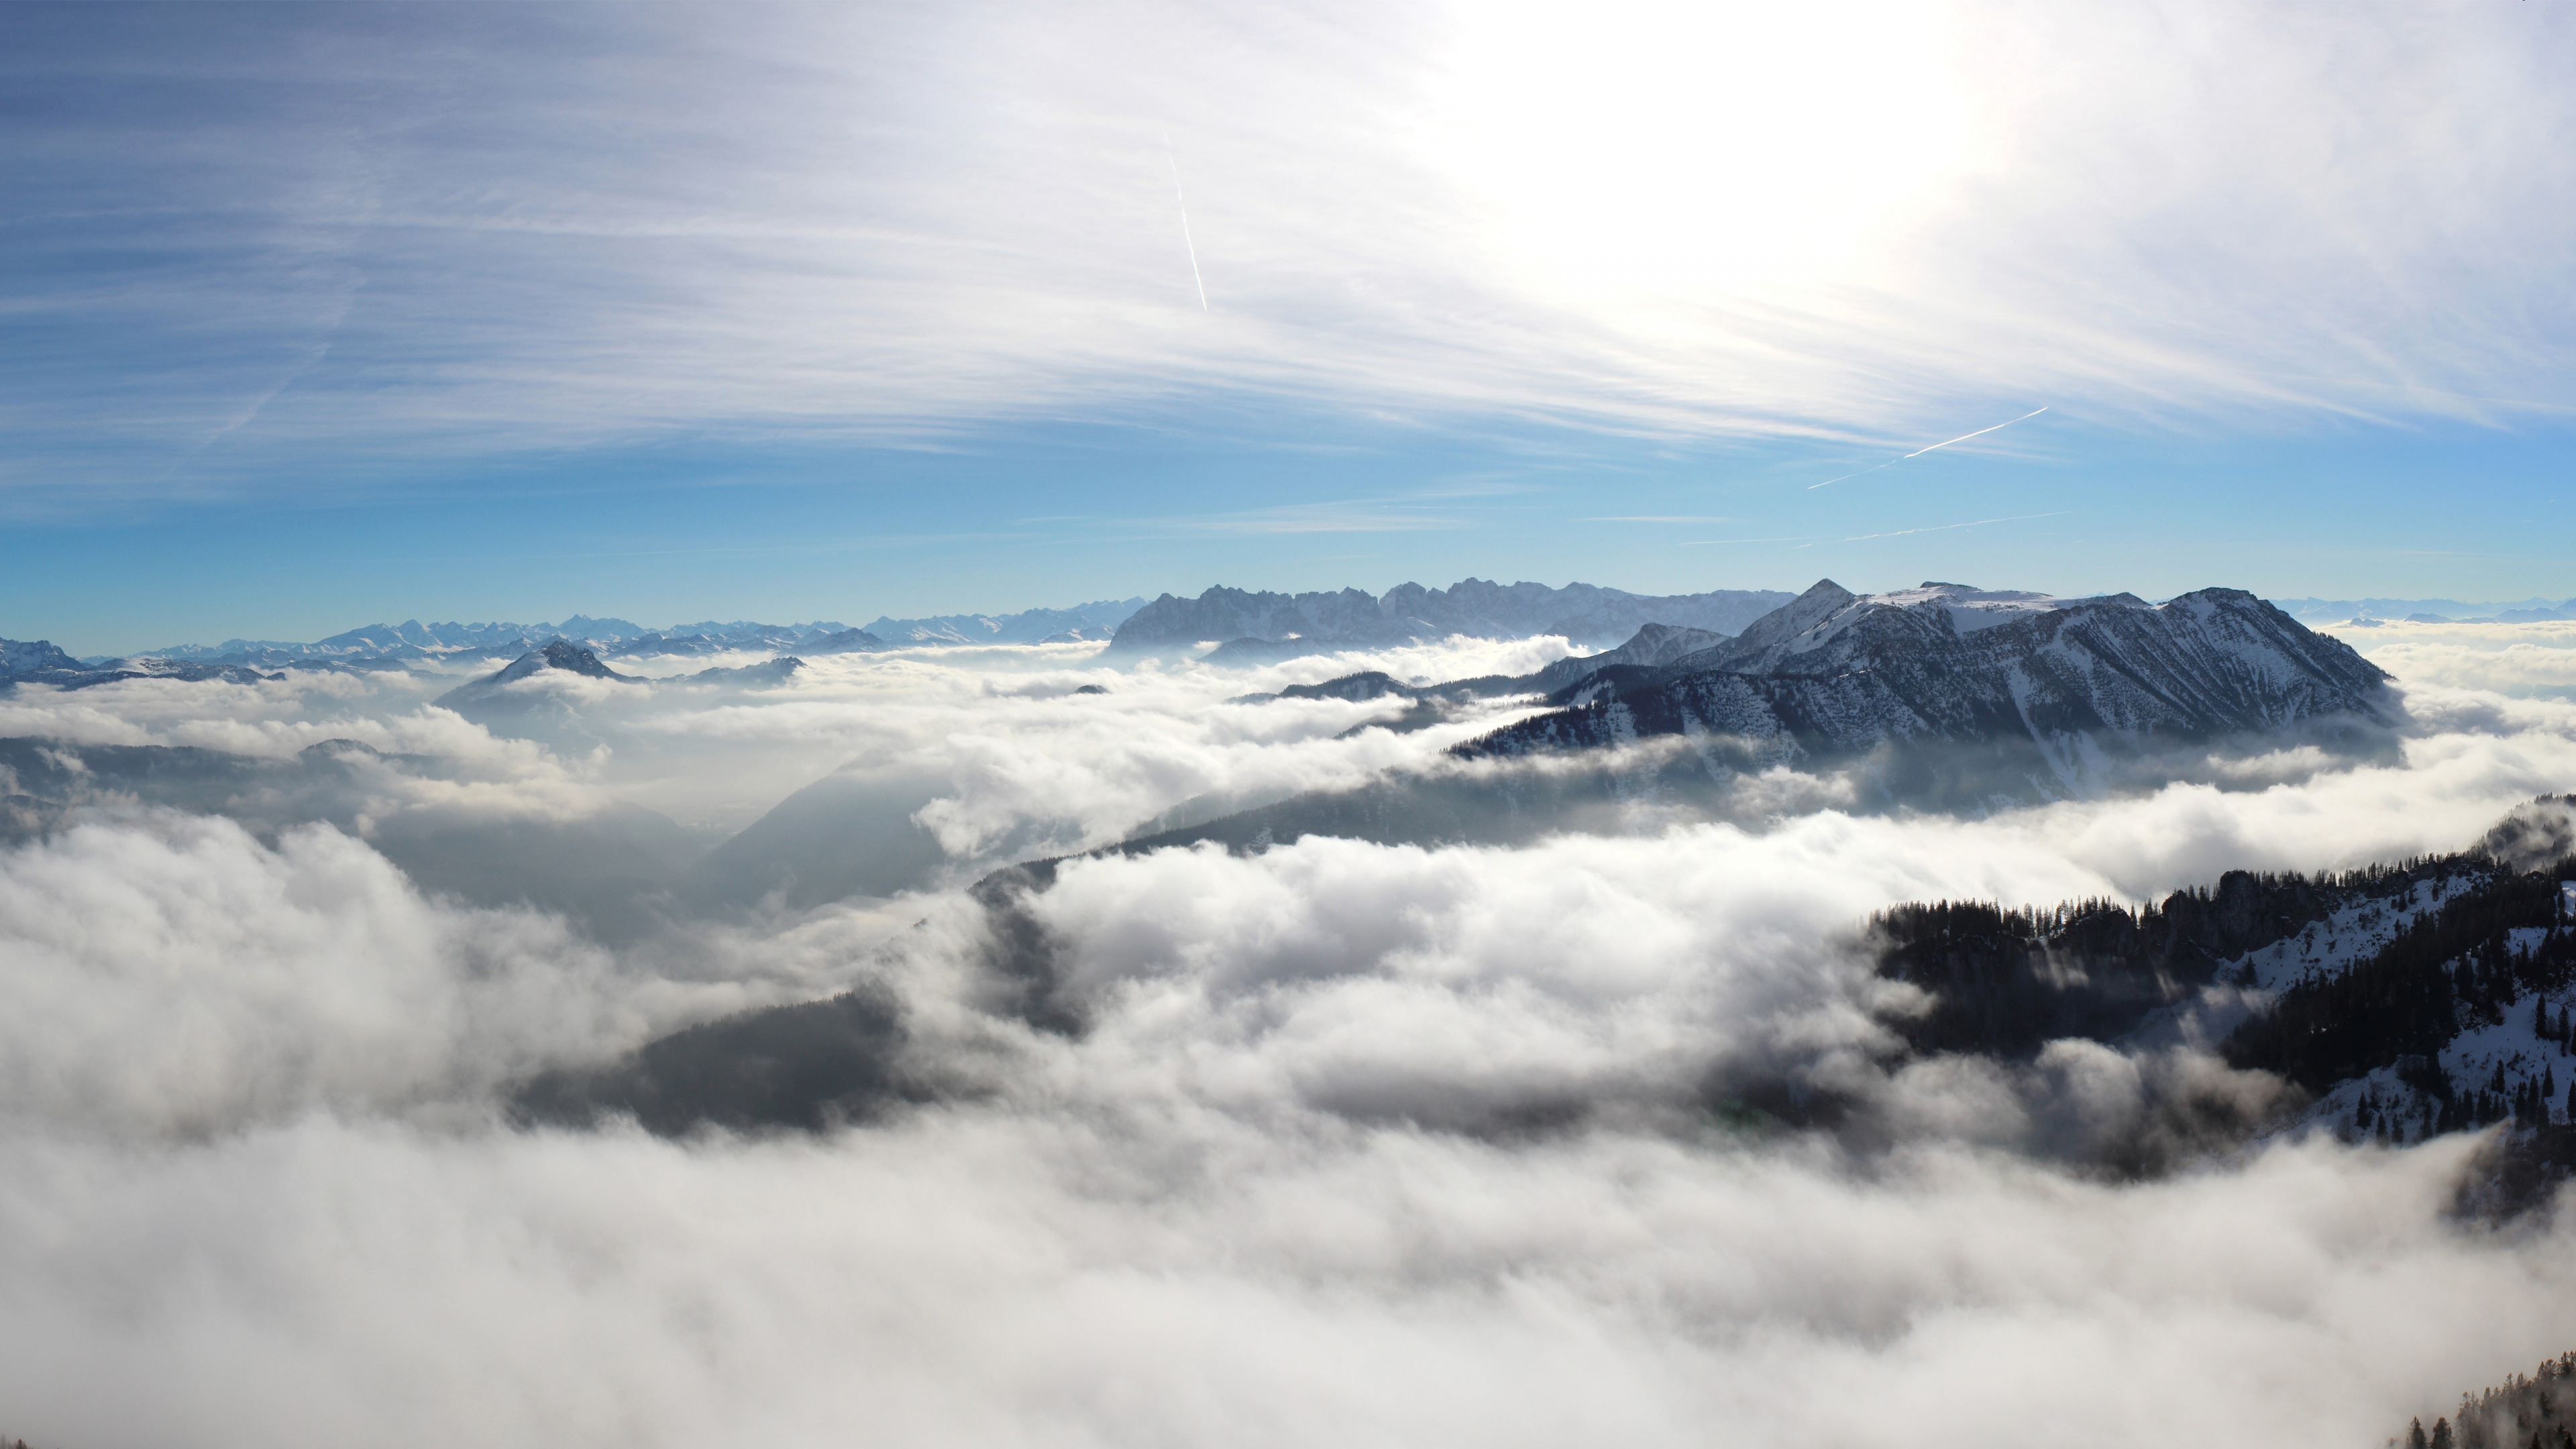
[1970, 608]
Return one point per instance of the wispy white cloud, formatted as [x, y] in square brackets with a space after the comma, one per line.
[611, 224]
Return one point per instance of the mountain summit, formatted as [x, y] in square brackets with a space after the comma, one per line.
[556, 657]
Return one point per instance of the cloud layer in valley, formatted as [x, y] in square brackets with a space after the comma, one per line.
[1355, 1143]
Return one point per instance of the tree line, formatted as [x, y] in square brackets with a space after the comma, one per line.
[2537, 1411]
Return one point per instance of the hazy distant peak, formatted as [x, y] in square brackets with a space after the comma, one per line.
[558, 655]
[1584, 614]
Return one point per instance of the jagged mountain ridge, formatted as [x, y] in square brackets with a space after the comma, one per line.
[1083, 623]
[1834, 674]
[612, 638]
[1585, 614]
[413, 640]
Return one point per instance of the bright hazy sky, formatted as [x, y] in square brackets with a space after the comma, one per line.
[321, 316]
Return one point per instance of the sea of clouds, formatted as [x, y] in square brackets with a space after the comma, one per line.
[1356, 1143]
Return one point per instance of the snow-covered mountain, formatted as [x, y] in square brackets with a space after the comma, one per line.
[1583, 613]
[1833, 673]
[386, 644]
[40, 662]
[413, 640]
[1081, 624]
[2427, 611]
[1651, 645]
[20, 657]
[558, 658]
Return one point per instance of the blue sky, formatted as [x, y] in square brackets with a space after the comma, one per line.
[320, 316]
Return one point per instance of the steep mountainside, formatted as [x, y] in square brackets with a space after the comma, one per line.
[1835, 674]
[2403, 1001]
[1583, 613]
[1651, 646]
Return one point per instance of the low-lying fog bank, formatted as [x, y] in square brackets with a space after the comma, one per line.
[1336, 1141]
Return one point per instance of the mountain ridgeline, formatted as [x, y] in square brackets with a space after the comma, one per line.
[2072, 681]
[1940, 697]
[1259, 627]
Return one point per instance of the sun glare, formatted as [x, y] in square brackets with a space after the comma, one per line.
[1649, 151]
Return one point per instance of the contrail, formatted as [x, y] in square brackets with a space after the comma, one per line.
[1919, 452]
[1185, 222]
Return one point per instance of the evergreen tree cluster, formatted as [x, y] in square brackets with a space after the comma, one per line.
[2524, 1412]
[2004, 981]
[2447, 970]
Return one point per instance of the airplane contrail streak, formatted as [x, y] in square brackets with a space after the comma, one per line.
[1919, 452]
[1185, 221]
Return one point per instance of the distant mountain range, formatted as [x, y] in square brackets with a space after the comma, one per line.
[1937, 697]
[39, 662]
[1082, 624]
[383, 645]
[1248, 628]
[2425, 611]
[1256, 627]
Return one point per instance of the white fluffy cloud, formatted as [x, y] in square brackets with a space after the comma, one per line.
[1361, 1143]
[2529, 660]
